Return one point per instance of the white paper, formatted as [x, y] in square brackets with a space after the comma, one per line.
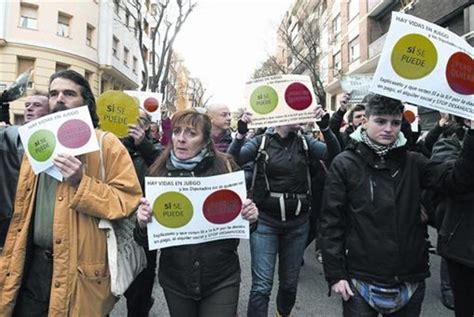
[273, 101]
[190, 210]
[70, 131]
[357, 85]
[143, 96]
[448, 82]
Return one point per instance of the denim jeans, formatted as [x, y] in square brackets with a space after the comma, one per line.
[265, 244]
[356, 306]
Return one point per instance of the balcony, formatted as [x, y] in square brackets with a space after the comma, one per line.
[375, 48]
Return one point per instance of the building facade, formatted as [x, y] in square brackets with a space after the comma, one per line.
[87, 36]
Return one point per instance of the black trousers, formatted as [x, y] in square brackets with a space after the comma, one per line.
[222, 303]
[33, 298]
[139, 299]
[462, 283]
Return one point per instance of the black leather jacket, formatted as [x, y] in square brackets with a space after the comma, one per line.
[371, 225]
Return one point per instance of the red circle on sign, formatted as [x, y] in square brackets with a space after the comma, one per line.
[222, 206]
[298, 96]
[409, 116]
[151, 104]
[74, 133]
[459, 72]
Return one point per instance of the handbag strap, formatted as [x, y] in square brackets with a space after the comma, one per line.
[101, 160]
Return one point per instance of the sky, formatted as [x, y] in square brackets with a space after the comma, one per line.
[224, 41]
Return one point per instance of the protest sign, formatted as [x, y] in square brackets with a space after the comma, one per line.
[427, 65]
[357, 85]
[411, 115]
[116, 110]
[280, 100]
[149, 101]
[70, 131]
[194, 210]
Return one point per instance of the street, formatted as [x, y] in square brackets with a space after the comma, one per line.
[312, 299]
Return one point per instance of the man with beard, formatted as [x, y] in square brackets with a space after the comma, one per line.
[54, 261]
[220, 117]
[11, 153]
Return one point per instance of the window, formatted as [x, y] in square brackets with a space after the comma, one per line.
[127, 19]
[145, 53]
[117, 6]
[115, 46]
[336, 58]
[353, 9]
[88, 76]
[89, 35]
[125, 56]
[146, 27]
[24, 64]
[336, 27]
[61, 67]
[64, 22]
[28, 16]
[354, 50]
[135, 62]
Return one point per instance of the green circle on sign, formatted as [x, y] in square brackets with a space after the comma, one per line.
[264, 100]
[414, 56]
[41, 145]
[116, 110]
[172, 210]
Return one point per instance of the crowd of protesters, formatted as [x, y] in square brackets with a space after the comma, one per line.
[366, 194]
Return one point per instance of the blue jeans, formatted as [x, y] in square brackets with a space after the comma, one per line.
[356, 306]
[265, 244]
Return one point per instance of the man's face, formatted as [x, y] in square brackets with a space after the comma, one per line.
[383, 129]
[221, 117]
[358, 118]
[64, 94]
[36, 107]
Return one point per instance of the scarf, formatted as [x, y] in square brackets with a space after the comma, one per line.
[190, 163]
[380, 150]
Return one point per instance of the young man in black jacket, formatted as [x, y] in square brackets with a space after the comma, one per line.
[373, 240]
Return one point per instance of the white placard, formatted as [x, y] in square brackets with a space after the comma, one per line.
[280, 100]
[190, 210]
[70, 131]
[148, 101]
[427, 65]
[357, 85]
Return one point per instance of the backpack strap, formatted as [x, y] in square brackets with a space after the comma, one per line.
[261, 151]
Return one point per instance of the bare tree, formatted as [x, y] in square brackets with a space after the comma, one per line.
[155, 77]
[300, 34]
[304, 46]
[270, 67]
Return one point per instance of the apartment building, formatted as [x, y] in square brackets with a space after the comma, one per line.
[89, 36]
[352, 32]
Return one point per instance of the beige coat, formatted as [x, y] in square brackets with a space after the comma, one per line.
[81, 279]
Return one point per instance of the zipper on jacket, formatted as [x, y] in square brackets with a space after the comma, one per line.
[372, 185]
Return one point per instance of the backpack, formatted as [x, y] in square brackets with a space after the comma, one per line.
[262, 155]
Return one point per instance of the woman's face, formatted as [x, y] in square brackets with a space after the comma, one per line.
[187, 141]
